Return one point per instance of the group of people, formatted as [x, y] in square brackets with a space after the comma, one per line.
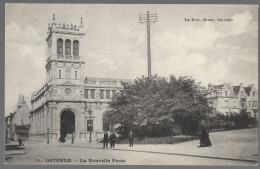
[204, 139]
[112, 139]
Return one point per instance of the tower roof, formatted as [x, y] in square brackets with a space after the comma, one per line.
[21, 101]
[65, 27]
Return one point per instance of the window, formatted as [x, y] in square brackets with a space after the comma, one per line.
[108, 94]
[243, 104]
[242, 93]
[60, 46]
[254, 103]
[59, 74]
[248, 103]
[101, 94]
[86, 93]
[92, 93]
[226, 93]
[113, 92]
[226, 103]
[253, 94]
[76, 74]
[89, 125]
[235, 104]
[67, 47]
[75, 48]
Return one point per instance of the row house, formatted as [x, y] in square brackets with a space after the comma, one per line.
[226, 98]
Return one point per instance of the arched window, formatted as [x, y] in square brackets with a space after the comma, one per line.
[75, 48]
[60, 46]
[67, 47]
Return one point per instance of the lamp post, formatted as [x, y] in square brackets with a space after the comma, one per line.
[85, 121]
[48, 138]
[90, 112]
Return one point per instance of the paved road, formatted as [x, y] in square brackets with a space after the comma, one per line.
[45, 154]
[232, 145]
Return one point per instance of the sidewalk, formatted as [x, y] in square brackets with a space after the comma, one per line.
[13, 149]
[226, 145]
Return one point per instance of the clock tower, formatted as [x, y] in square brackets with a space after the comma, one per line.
[64, 59]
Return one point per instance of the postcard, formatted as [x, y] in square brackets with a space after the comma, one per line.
[131, 84]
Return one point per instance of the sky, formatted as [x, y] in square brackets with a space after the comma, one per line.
[115, 43]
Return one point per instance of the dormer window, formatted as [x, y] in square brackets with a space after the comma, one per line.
[60, 46]
[67, 47]
[242, 93]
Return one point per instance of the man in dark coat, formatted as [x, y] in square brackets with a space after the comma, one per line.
[131, 138]
[112, 139]
[105, 139]
[204, 139]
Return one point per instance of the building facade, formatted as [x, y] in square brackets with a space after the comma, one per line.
[17, 123]
[69, 106]
[226, 98]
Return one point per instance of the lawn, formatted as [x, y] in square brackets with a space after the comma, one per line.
[242, 135]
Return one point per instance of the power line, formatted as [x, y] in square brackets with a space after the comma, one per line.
[148, 19]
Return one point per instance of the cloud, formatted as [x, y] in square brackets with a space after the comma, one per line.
[17, 34]
[25, 60]
[201, 51]
[240, 24]
[107, 63]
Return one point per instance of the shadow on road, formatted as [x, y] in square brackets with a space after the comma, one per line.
[13, 147]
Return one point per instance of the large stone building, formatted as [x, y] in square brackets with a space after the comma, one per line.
[17, 123]
[226, 98]
[69, 105]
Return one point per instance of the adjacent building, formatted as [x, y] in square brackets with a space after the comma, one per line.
[69, 106]
[226, 98]
[17, 123]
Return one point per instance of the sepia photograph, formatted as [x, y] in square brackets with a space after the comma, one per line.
[131, 84]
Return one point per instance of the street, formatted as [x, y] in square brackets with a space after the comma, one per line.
[237, 147]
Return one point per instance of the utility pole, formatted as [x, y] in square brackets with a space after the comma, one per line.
[148, 19]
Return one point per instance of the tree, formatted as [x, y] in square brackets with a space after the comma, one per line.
[152, 101]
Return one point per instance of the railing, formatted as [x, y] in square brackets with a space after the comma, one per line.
[60, 56]
[76, 57]
[68, 56]
[67, 27]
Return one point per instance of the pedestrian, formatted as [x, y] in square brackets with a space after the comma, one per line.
[112, 140]
[204, 139]
[131, 138]
[105, 139]
[20, 141]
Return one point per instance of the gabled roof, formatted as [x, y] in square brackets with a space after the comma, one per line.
[236, 89]
[217, 86]
[247, 90]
